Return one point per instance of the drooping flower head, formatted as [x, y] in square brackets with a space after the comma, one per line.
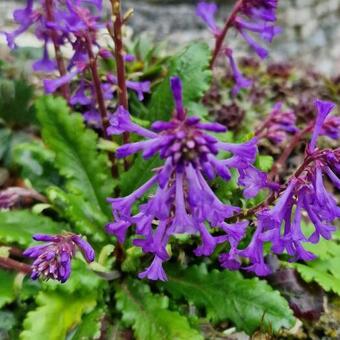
[278, 125]
[183, 201]
[53, 260]
[305, 194]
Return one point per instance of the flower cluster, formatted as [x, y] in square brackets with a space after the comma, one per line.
[53, 260]
[74, 23]
[250, 18]
[305, 191]
[279, 124]
[183, 201]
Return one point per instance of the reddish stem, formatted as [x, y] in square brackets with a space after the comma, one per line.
[220, 38]
[65, 90]
[279, 164]
[116, 34]
[8, 263]
[97, 84]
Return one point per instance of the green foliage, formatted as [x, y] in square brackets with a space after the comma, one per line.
[7, 293]
[248, 303]
[139, 173]
[325, 269]
[19, 226]
[15, 101]
[192, 66]
[56, 315]
[264, 162]
[36, 163]
[149, 316]
[90, 327]
[87, 174]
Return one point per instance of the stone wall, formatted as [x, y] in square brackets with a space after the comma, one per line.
[311, 27]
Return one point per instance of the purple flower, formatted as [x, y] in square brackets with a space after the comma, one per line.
[183, 201]
[278, 125]
[139, 87]
[323, 109]
[207, 11]
[53, 260]
[241, 82]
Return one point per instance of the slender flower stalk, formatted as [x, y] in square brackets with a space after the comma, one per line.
[222, 35]
[65, 90]
[116, 34]
[11, 264]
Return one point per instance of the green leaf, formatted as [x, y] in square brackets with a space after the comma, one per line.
[85, 218]
[148, 315]
[139, 173]
[55, 316]
[192, 66]
[7, 293]
[37, 164]
[264, 162]
[86, 170]
[248, 303]
[90, 327]
[19, 226]
[319, 271]
[15, 102]
[325, 269]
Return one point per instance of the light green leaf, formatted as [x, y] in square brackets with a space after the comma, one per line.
[264, 162]
[225, 295]
[19, 226]
[55, 316]
[192, 66]
[148, 315]
[7, 292]
[90, 327]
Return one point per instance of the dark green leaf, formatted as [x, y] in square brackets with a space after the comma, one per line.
[248, 303]
[148, 315]
[7, 293]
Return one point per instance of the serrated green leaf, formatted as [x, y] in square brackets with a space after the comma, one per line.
[148, 315]
[86, 171]
[248, 303]
[20, 225]
[139, 173]
[319, 271]
[82, 280]
[7, 293]
[55, 316]
[90, 327]
[85, 218]
[36, 163]
[192, 66]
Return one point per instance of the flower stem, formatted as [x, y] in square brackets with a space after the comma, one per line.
[8, 263]
[220, 38]
[65, 90]
[116, 34]
[97, 84]
[279, 164]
